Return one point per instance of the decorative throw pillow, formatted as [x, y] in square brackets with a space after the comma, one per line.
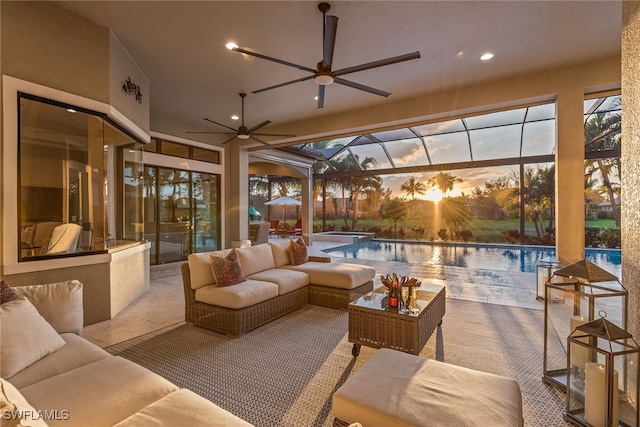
[26, 337]
[6, 293]
[227, 271]
[298, 252]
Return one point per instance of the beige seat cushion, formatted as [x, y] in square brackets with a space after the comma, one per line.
[183, 408]
[287, 280]
[335, 275]
[16, 411]
[241, 295]
[101, 393]
[398, 389]
[75, 353]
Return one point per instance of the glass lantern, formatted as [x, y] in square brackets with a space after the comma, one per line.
[544, 271]
[605, 392]
[574, 296]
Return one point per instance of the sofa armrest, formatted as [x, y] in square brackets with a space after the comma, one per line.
[59, 303]
[316, 258]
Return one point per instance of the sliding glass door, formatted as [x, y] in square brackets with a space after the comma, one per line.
[181, 213]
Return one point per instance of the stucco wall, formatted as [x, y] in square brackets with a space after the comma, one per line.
[47, 44]
[631, 160]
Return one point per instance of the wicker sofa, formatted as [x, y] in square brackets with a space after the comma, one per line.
[273, 287]
[51, 376]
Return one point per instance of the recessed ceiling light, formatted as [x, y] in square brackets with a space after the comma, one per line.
[231, 46]
[315, 98]
[487, 56]
[71, 110]
[235, 117]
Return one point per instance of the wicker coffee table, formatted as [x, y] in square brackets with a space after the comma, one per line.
[374, 324]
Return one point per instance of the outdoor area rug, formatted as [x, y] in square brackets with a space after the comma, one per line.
[285, 372]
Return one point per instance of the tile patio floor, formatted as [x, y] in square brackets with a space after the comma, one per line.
[163, 304]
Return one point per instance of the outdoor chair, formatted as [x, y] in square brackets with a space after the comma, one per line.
[273, 226]
[297, 229]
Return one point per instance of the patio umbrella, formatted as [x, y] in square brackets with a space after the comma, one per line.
[284, 201]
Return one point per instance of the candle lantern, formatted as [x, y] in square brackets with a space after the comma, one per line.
[605, 393]
[574, 295]
[544, 271]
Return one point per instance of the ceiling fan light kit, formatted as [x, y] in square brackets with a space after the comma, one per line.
[323, 75]
[243, 132]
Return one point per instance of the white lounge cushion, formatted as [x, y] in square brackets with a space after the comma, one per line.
[77, 352]
[280, 253]
[59, 303]
[183, 408]
[101, 393]
[255, 259]
[200, 268]
[335, 274]
[12, 403]
[25, 336]
[241, 295]
[418, 391]
[287, 280]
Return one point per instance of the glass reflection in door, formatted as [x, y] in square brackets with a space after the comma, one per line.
[205, 212]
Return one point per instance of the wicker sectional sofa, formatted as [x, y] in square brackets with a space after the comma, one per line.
[273, 287]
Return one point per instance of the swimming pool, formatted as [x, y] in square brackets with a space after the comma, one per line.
[494, 257]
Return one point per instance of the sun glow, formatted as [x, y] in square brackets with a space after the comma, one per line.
[434, 195]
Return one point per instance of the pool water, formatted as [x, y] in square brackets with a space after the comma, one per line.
[494, 257]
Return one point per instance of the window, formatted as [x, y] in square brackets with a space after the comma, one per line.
[80, 181]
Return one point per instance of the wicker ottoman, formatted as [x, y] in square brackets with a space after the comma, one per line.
[399, 389]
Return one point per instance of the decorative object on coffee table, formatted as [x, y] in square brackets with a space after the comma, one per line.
[401, 282]
[374, 324]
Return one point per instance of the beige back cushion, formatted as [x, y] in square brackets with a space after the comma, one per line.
[59, 303]
[280, 254]
[200, 268]
[255, 259]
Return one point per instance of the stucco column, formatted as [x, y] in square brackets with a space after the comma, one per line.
[307, 207]
[570, 175]
[630, 170]
[236, 211]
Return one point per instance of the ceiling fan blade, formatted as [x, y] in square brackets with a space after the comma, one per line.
[380, 63]
[230, 139]
[321, 96]
[274, 134]
[278, 61]
[220, 124]
[303, 79]
[220, 133]
[259, 140]
[329, 42]
[256, 127]
[362, 87]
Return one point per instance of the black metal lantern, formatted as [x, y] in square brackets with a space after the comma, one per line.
[574, 296]
[605, 392]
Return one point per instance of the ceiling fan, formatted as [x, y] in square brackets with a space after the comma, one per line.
[323, 75]
[243, 132]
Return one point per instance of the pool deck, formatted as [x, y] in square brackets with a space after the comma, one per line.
[512, 288]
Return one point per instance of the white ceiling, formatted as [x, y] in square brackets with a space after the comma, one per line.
[180, 47]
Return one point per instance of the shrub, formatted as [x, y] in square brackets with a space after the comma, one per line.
[465, 234]
[605, 215]
[592, 237]
[610, 237]
[443, 234]
[512, 235]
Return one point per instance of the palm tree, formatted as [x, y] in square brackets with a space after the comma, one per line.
[602, 132]
[413, 187]
[444, 181]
